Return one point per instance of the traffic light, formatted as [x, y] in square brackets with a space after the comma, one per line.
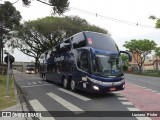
[11, 59]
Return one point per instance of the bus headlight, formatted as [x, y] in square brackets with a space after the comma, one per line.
[95, 87]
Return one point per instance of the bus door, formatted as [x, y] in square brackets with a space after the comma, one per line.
[84, 68]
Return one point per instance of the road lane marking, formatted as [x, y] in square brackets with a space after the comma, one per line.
[154, 91]
[126, 103]
[34, 85]
[28, 83]
[122, 98]
[133, 109]
[75, 94]
[143, 87]
[115, 92]
[119, 95]
[37, 106]
[148, 89]
[39, 81]
[65, 103]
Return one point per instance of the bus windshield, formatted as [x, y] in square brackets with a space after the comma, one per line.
[107, 65]
[101, 41]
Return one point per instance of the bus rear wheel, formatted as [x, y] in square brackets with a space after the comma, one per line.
[73, 85]
[65, 83]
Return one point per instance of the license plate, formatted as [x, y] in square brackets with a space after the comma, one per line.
[112, 89]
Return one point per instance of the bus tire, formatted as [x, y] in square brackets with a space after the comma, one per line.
[65, 83]
[73, 85]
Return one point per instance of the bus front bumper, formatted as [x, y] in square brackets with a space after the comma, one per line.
[107, 86]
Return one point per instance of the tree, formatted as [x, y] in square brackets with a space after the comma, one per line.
[39, 35]
[58, 6]
[157, 52]
[141, 48]
[157, 20]
[9, 22]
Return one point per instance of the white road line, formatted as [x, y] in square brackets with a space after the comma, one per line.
[34, 85]
[37, 106]
[75, 94]
[135, 85]
[39, 81]
[115, 92]
[126, 103]
[143, 87]
[28, 83]
[148, 89]
[133, 109]
[119, 95]
[122, 98]
[143, 118]
[65, 103]
[154, 91]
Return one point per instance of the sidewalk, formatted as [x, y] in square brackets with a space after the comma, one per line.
[15, 108]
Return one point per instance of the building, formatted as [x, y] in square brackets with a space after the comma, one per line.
[150, 63]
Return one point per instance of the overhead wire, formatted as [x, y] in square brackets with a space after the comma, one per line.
[112, 19]
[15, 2]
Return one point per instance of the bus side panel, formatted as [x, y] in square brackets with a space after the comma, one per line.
[81, 80]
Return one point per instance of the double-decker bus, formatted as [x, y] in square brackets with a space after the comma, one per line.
[87, 61]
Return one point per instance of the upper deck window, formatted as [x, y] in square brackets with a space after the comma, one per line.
[101, 41]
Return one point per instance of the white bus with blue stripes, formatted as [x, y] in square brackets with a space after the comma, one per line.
[87, 61]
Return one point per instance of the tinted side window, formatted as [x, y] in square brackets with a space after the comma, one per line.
[78, 41]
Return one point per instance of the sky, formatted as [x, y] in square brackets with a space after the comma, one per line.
[107, 14]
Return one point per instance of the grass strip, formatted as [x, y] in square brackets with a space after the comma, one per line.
[10, 100]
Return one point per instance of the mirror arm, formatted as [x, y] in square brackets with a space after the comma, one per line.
[128, 53]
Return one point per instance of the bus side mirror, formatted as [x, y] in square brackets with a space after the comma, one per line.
[128, 53]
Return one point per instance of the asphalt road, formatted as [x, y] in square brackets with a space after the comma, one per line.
[44, 96]
[147, 82]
